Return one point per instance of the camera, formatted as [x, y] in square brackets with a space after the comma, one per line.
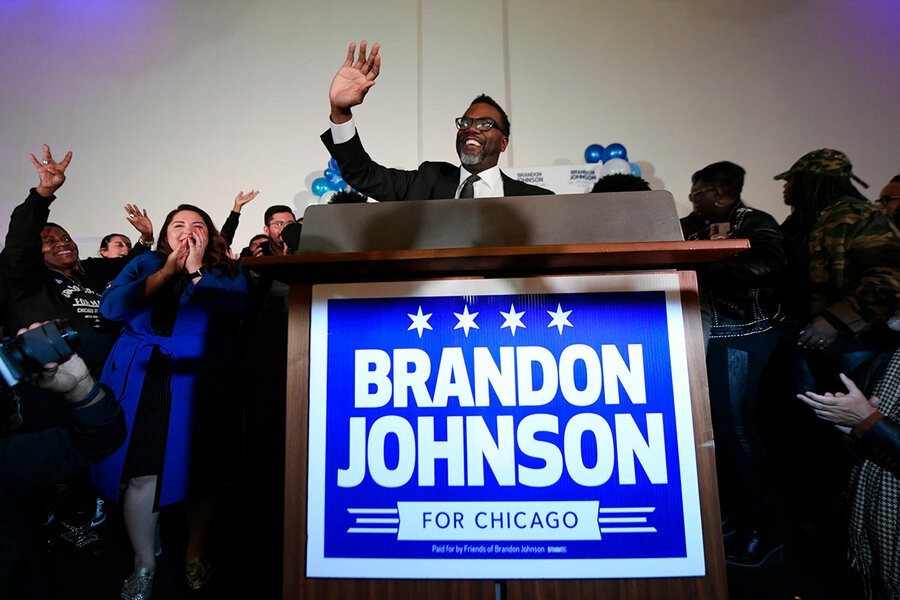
[25, 355]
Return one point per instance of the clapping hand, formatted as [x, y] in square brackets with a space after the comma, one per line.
[846, 411]
[176, 260]
[196, 245]
[52, 174]
[353, 80]
[140, 221]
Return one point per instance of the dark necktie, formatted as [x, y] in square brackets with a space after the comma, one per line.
[468, 188]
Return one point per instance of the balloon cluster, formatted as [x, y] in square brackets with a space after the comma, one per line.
[614, 159]
[330, 182]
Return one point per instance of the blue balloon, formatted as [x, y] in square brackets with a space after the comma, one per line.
[337, 184]
[319, 186]
[635, 170]
[593, 153]
[332, 164]
[330, 173]
[615, 151]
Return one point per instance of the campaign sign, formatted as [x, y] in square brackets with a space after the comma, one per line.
[511, 428]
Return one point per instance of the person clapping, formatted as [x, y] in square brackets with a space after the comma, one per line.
[873, 423]
[180, 306]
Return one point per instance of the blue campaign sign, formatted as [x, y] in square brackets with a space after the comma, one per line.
[469, 428]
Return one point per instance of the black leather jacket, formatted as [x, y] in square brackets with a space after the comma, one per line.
[738, 291]
[881, 444]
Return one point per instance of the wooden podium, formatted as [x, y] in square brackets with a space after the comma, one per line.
[301, 272]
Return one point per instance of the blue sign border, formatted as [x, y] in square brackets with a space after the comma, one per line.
[670, 552]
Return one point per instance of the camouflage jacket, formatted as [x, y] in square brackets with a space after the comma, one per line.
[854, 264]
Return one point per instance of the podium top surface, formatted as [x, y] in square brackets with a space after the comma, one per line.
[492, 261]
[492, 222]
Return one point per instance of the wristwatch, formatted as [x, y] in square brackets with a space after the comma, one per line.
[198, 273]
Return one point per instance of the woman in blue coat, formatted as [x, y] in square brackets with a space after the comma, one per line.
[180, 306]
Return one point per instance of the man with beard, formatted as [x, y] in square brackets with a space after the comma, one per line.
[889, 200]
[276, 219]
[483, 133]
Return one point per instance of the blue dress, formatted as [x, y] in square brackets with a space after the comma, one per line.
[200, 351]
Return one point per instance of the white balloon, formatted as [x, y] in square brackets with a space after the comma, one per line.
[615, 166]
[324, 198]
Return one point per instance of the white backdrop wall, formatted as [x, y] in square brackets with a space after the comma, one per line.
[169, 101]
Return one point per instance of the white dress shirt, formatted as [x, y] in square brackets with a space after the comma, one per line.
[490, 184]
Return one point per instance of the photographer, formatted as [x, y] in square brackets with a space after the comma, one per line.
[96, 428]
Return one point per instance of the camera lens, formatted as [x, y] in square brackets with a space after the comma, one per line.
[67, 333]
[27, 353]
[49, 343]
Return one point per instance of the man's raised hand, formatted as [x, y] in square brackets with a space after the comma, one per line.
[52, 174]
[353, 80]
[241, 199]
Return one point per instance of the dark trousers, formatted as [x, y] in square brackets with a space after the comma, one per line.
[735, 367]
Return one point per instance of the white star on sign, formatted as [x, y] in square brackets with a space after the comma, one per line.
[419, 321]
[560, 318]
[513, 319]
[466, 320]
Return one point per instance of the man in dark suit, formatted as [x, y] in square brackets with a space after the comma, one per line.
[483, 133]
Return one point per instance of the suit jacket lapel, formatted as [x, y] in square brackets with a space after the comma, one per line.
[509, 185]
[445, 187]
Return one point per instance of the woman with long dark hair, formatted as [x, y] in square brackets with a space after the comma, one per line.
[180, 306]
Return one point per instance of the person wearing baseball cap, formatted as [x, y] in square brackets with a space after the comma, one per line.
[827, 162]
[837, 293]
[843, 255]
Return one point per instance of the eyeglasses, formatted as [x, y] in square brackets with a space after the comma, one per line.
[693, 195]
[884, 200]
[280, 223]
[482, 124]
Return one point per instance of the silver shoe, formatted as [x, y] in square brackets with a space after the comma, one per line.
[197, 572]
[139, 585]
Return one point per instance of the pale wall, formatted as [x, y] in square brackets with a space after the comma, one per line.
[175, 101]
